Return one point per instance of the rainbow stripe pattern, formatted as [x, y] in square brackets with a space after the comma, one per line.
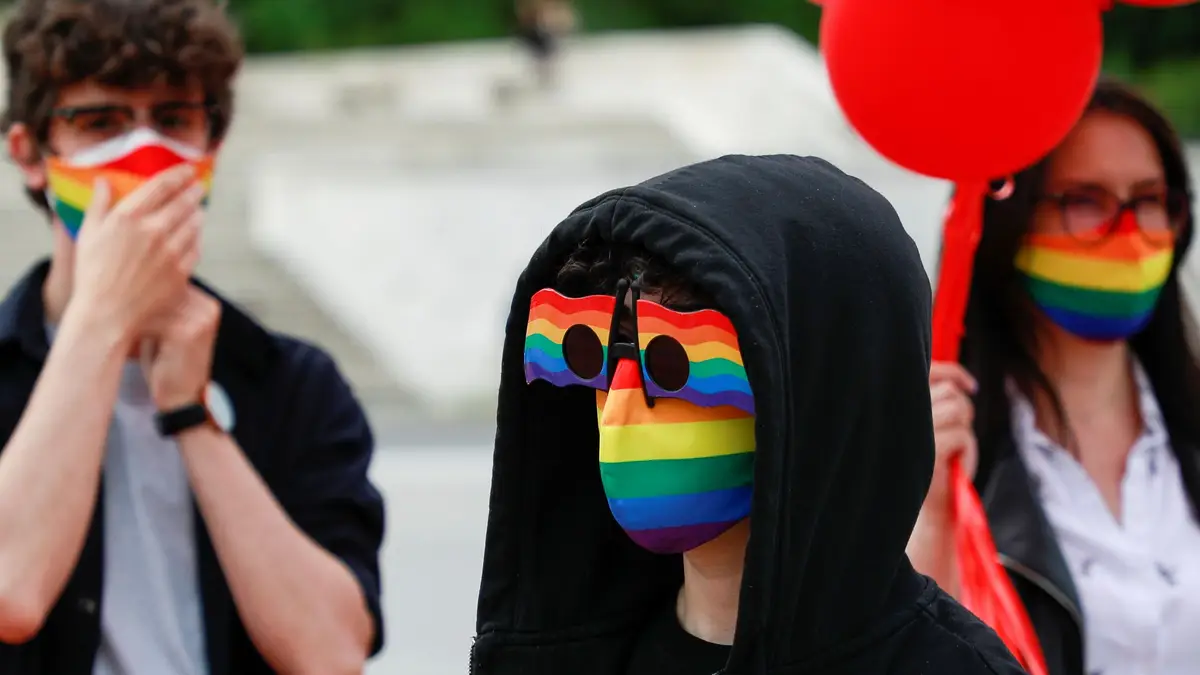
[1106, 291]
[125, 162]
[716, 374]
[551, 315]
[676, 475]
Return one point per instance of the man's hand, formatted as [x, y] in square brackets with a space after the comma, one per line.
[131, 259]
[129, 262]
[178, 348]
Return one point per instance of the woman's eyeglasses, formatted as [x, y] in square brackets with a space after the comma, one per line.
[1090, 215]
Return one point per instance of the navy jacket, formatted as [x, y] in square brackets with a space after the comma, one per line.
[299, 424]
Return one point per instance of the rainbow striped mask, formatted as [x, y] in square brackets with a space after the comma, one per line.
[126, 162]
[1104, 291]
[676, 417]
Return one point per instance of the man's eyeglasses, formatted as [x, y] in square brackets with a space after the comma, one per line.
[1090, 215]
[185, 121]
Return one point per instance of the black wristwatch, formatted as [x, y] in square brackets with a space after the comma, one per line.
[213, 408]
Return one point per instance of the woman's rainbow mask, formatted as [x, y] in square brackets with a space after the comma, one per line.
[676, 416]
[1099, 291]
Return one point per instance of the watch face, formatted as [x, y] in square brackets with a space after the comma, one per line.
[220, 408]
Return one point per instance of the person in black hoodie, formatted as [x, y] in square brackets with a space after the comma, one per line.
[782, 319]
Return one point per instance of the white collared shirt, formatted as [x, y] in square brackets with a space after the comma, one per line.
[1138, 579]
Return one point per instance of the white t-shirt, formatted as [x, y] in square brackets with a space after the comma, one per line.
[151, 617]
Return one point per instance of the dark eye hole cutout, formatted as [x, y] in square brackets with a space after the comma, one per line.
[667, 363]
[583, 352]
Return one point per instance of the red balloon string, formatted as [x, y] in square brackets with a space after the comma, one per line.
[985, 588]
[960, 237]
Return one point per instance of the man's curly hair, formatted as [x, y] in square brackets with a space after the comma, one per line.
[50, 44]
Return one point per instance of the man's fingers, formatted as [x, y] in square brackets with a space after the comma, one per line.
[158, 190]
[101, 199]
[186, 245]
[184, 239]
[179, 210]
[198, 296]
[190, 260]
[97, 208]
[157, 324]
[147, 350]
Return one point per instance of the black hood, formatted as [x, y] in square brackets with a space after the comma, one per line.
[832, 309]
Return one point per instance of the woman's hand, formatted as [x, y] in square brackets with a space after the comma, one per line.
[931, 544]
[950, 390]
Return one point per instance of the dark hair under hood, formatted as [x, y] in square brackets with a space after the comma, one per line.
[832, 307]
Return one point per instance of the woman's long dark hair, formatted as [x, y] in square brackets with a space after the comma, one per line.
[1000, 339]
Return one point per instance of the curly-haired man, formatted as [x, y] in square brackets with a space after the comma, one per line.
[181, 491]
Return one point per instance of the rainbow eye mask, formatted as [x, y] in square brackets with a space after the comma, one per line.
[715, 374]
[1105, 291]
[125, 162]
[552, 316]
[693, 356]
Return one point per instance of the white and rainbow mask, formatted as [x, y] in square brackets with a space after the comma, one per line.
[125, 162]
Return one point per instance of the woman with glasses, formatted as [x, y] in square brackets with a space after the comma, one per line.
[1077, 402]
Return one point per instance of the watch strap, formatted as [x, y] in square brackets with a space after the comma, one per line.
[174, 422]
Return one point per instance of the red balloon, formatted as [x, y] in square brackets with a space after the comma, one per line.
[962, 90]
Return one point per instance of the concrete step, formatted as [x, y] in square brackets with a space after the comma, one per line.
[271, 294]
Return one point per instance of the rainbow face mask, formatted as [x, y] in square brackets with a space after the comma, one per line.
[1104, 291]
[126, 162]
[676, 416]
